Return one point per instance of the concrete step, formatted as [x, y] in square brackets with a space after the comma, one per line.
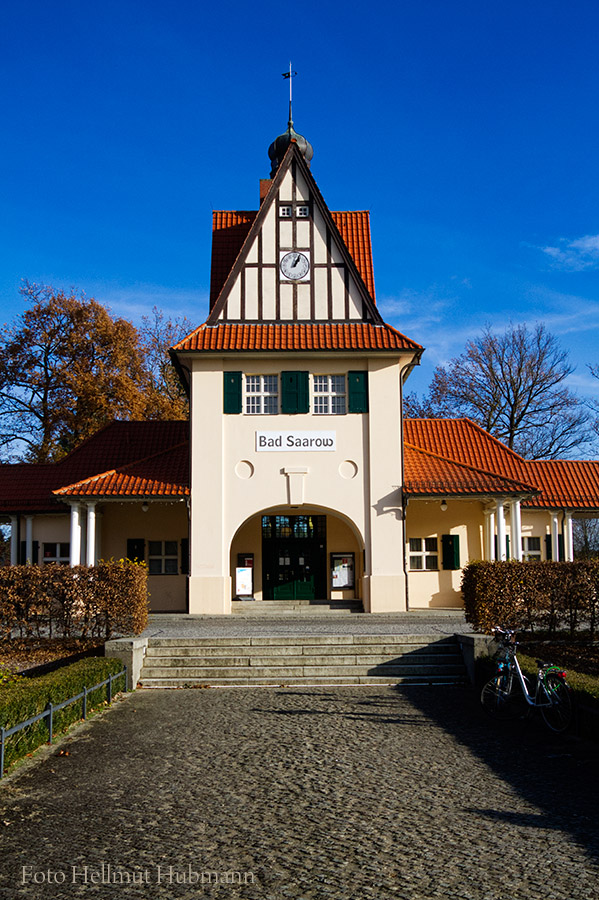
[297, 650]
[300, 640]
[295, 607]
[303, 659]
[301, 681]
[186, 662]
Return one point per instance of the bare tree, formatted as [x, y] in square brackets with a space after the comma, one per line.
[586, 538]
[513, 385]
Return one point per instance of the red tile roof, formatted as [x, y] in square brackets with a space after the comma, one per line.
[230, 229]
[165, 474]
[572, 484]
[562, 484]
[462, 441]
[425, 473]
[296, 336]
[28, 488]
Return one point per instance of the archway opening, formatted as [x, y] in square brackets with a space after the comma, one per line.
[285, 554]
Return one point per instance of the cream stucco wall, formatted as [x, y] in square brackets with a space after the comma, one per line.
[232, 481]
[162, 522]
[424, 518]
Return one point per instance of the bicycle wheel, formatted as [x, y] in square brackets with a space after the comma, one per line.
[503, 699]
[558, 717]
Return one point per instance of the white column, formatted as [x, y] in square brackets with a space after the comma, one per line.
[554, 536]
[90, 557]
[75, 535]
[516, 529]
[501, 532]
[568, 537]
[14, 540]
[489, 534]
[28, 540]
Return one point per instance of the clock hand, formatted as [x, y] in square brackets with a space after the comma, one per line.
[297, 259]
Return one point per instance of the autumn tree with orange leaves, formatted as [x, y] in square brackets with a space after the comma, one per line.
[67, 367]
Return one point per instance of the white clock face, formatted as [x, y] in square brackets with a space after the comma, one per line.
[295, 265]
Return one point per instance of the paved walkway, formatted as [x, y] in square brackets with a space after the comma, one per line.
[342, 794]
[417, 622]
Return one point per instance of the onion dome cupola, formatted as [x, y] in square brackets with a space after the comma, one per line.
[279, 146]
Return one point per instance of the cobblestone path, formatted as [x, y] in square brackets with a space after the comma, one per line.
[308, 793]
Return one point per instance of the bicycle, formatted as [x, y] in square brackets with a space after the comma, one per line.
[510, 694]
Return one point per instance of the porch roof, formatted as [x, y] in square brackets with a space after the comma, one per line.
[426, 474]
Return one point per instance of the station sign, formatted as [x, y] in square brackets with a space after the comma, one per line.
[295, 440]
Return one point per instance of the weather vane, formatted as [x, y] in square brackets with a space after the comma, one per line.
[290, 75]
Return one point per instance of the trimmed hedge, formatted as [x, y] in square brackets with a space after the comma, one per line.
[89, 601]
[27, 697]
[529, 596]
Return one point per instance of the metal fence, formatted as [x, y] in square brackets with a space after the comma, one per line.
[51, 708]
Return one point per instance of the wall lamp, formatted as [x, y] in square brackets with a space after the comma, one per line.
[144, 506]
[443, 505]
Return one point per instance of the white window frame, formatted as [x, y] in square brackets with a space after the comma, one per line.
[58, 557]
[327, 398]
[424, 551]
[302, 211]
[527, 553]
[261, 395]
[286, 211]
[169, 554]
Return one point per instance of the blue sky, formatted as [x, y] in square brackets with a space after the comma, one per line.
[469, 129]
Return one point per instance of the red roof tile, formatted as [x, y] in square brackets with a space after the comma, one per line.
[562, 484]
[165, 474]
[230, 229]
[462, 441]
[425, 473]
[28, 488]
[565, 483]
[296, 336]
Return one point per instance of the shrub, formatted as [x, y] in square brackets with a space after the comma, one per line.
[90, 601]
[526, 596]
[29, 696]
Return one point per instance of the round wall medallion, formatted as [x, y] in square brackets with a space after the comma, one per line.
[244, 469]
[348, 469]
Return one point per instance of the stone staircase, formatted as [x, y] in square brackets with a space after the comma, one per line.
[303, 660]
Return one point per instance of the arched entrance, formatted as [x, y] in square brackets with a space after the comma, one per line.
[298, 555]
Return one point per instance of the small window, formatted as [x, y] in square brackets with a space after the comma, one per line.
[163, 558]
[57, 553]
[262, 395]
[424, 554]
[531, 548]
[329, 395]
[303, 212]
[285, 212]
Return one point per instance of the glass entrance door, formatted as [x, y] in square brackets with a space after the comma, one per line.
[294, 557]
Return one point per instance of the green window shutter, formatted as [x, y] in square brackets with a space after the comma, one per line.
[507, 546]
[450, 545]
[548, 548]
[357, 390]
[295, 392]
[232, 392]
[560, 542]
